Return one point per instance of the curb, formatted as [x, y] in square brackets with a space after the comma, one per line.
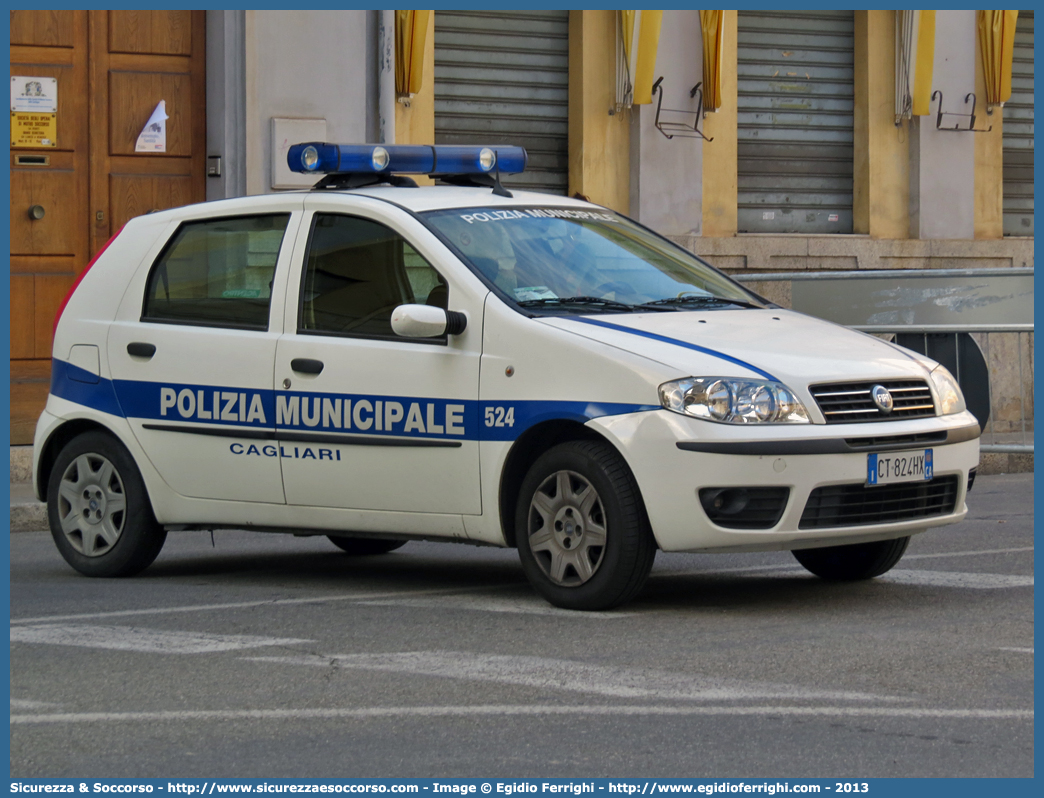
[27, 514]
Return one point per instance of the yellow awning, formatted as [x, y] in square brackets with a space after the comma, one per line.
[914, 61]
[641, 37]
[712, 23]
[997, 43]
[411, 30]
[921, 91]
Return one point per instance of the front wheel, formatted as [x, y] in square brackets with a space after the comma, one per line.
[360, 547]
[582, 532]
[99, 511]
[853, 562]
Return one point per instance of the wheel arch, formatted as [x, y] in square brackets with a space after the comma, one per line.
[57, 440]
[524, 452]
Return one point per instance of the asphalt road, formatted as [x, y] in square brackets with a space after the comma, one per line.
[269, 656]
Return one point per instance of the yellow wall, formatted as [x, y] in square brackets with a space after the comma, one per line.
[881, 201]
[415, 123]
[861, 128]
[989, 161]
[599, 143]
[719, 156]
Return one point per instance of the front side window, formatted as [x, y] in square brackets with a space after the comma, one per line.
[217, 273]
[358, 271]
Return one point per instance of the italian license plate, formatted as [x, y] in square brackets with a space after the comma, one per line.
[890, 467]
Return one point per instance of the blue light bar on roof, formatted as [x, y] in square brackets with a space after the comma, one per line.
[321, 158]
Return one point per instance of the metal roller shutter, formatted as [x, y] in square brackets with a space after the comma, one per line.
[795, 121]
[1018, 134]
[503, 78]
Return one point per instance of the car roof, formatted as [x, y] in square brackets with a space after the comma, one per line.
[430, 198]
[417, 200]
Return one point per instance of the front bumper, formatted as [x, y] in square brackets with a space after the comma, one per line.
[673, 457]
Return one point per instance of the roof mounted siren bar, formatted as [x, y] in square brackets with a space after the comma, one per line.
[357, 165]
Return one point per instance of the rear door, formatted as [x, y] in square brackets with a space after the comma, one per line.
[193, 348]
[365, 419]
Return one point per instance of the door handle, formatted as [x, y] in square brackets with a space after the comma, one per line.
[140, 349]
[306, 365]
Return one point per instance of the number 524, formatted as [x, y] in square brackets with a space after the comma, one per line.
[500, 417]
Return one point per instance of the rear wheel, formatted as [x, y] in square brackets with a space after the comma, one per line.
[853, 562]
[360, 547]
[99, 511]
[582, 532]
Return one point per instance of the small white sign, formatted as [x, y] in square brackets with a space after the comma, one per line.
[34, 95]
[768, 214]
[832, 217]
[153, 138]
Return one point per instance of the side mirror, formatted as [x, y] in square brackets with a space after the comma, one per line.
[427, 321]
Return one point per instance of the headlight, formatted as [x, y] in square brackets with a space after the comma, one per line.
[951, 400]
[733, 401]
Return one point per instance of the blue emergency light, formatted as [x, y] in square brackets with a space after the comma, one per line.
[322, 158]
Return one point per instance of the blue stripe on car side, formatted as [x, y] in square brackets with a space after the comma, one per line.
[77, 385]
[142, 400]
[674, 342]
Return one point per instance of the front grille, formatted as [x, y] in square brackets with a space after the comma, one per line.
[858, 505]
[744, 508]
[901, 441]
[848, 402]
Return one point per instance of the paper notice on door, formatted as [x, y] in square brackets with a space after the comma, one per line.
[154, 137]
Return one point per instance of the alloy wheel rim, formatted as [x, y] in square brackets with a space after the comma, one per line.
[92, 505]
[567, 531]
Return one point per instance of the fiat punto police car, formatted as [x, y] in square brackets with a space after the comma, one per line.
[377, 363]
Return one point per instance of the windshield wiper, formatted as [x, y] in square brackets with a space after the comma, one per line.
[550, 302]
[700, 300]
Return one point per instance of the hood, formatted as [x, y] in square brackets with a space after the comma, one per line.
[777, 344]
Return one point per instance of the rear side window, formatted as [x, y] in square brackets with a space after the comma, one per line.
[217, 273]
[358, 272]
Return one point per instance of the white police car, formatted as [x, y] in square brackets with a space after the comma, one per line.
[381, 363]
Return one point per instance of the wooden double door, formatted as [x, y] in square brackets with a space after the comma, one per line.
[112, 69]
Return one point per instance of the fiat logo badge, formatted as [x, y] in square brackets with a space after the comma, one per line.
[882, 398]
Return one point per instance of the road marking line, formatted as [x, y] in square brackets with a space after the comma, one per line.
[795, 567]
[905, 576]
[151, 641]
[525, 606]
[951, 579]
[236, 605]
[945, 554]
[25, 703]
[557, 674]
[1016, 649]
[400, 595]
[497, 710]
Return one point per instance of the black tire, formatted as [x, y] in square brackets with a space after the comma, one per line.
[854, 562]
[361, 547]
[592, 553]
[99, 511]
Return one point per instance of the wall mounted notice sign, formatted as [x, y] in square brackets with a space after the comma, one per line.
[34, 111]
[153, 138]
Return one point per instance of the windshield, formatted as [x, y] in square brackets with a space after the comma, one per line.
[593, 260]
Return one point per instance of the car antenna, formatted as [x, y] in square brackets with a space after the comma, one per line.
[498, 189]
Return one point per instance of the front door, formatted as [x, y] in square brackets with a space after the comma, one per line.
[365, 419]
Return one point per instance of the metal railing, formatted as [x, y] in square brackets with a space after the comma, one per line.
[1010, 426]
